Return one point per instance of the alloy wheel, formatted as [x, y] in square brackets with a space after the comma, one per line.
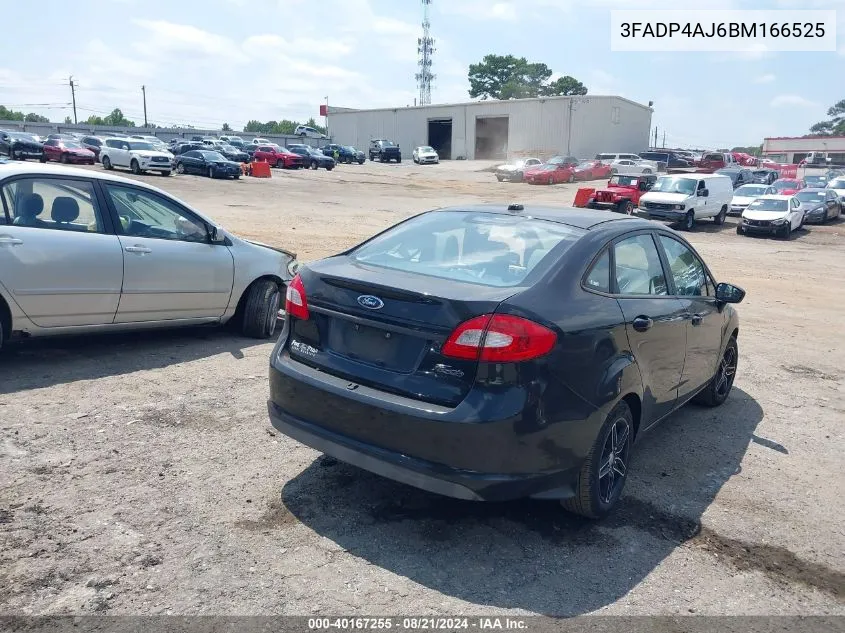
[613, 465]
[726, 372]
[273, 313]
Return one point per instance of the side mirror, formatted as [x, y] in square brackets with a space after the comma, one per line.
[728, 293]
[216, 235]
[703, 193]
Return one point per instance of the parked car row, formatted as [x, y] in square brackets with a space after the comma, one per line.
[778, 208]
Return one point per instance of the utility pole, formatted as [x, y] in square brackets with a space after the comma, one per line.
[144, 93]
[326, 118]
[655, 136]
[73, 96]
[664, 139]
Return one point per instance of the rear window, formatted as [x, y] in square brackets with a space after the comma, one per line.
[488, 249]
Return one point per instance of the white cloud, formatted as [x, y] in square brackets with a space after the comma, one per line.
[790, 101]
[598, 82]
[172, 40]
[765, 79]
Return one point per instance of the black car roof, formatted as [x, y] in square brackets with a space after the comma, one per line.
[581, 218]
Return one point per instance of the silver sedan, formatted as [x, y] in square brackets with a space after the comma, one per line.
[84, 251]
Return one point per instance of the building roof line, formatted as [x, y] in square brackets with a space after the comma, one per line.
[344, 110]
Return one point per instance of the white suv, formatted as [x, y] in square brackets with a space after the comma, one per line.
[309, 132]
[139, 156]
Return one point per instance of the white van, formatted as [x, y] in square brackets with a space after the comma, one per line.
[687, 198]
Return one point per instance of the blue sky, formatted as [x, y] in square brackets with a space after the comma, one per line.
[207, 62]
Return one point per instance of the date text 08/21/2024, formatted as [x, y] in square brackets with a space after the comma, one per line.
[417, 624]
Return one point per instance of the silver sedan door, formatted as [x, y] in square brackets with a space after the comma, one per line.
[57, 259]
[171, 270]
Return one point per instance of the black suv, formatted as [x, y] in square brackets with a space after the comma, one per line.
[385, 150]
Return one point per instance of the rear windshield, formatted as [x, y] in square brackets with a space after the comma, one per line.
[837, 183]
[489, 249]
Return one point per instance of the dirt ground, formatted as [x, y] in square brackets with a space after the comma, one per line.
[139, 474]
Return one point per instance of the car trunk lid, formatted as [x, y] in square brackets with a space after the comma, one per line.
[385, 328]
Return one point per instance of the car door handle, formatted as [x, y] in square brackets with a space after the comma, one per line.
[696, 319]
[642, 323]
[138, 249]
[8, 240]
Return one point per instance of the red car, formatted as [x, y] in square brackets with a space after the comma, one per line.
[67, 152]
[278, 157]
[549, 174]
[788, 186]
[591, 170]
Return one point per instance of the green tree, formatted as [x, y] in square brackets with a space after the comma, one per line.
[13, 115]
[835, 125]
[564, 86]
[68, 120]
[510, 77]
[116, 118]
[226, 128]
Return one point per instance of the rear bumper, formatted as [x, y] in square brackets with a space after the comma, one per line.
[452, 452]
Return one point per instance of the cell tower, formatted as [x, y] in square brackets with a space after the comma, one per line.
[425, 48]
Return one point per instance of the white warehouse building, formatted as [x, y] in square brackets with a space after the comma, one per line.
[581, 126]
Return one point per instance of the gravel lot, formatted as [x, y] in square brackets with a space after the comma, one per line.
[139, 474]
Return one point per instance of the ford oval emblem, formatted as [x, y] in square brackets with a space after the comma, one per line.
[370, 302]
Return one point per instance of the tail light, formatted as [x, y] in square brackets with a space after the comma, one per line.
[499, 338]
[295, 302]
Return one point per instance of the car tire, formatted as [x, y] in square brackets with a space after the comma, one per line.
[647, 170]
[689, 221]
[261, 309]
[279, 164]
[626, 207]
[180, 168]
[399, 160]
[719, 387]
[236, 177]
[106, 163]
[313, 164]
[739, 230]
[64, 158]
[786, 231]
[211, 172]
[135, 167]
[719, 218]
[2, 333]
[597, 494]
[329, 167]
[571, 178]
[500, 179]
[361, 161]
[165, 173]
[43, 157]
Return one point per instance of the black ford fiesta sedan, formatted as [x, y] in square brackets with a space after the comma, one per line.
[498, 352]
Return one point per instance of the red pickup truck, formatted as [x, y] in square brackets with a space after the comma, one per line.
[622, 193]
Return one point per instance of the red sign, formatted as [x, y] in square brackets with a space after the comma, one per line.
[324, 110]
